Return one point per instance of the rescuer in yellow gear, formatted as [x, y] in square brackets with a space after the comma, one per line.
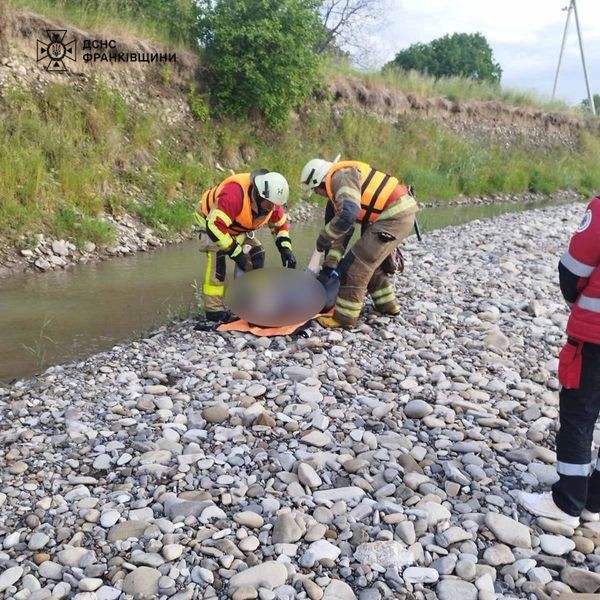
[228, 216]
[385, 210]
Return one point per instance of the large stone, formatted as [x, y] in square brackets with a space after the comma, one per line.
[435, 513]
[127, 529]
[508, 530]
[384, 553]
[316, 438]
[308, 476]
[317, 551]
[557, 545]
[287, 529]
[417, 409]
[269, 575]
[216, 413]
[297, 373]
[249, 518]
[347, 494]
[498, 554]
[420, 575]
[454, 589]
[142, 583]
[72, 556]
[9, 577]
[581, 580]
[338, 590]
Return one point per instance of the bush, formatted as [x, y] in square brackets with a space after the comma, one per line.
[260, 55]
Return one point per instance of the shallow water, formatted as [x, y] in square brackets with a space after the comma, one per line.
[59, 316]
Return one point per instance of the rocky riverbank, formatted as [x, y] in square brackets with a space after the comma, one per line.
[377, 463]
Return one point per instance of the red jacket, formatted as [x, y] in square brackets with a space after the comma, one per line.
[230, 201]
[580, 272]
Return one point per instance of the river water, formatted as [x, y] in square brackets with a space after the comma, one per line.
[60, 316]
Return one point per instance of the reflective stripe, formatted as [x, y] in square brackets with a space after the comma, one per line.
[572, 469]
[575, 266]
[200, 219]
[349, 303]
[286, 244]
[223, 241]
[404, 203]
[280, 222]
[353, 314]
[589, 303]
[348, 191]
[329, 231]
[388, 289]
[385, 299]
[209, 288]
[335, 254]
[283, 234]
[217, 213]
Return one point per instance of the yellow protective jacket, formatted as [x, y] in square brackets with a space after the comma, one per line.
[243, 221]
[380, 193]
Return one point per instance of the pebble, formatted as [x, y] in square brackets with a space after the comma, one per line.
[455, 589]
[9, 577]
[368, 463]
[268, 574]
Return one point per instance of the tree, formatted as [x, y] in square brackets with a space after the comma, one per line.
[260, 54]
[342, 19]
[459, 54]
[585, 103]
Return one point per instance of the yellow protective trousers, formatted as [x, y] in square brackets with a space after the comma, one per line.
[360, 270]
[215, 273]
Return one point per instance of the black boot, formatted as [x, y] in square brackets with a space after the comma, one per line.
[219, 316]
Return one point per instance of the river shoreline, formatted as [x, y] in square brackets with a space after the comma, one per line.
[40, 254]
[373, 463]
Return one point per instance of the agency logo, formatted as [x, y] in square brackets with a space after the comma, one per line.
[55, 51]
[586, 222]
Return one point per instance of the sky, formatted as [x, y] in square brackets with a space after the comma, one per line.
[525, 37]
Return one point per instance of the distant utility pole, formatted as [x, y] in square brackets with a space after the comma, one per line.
[573, 7]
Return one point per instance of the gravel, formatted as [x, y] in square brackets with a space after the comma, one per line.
[381, 462]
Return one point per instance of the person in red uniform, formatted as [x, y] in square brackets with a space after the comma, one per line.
[577, 492]
[228, 216]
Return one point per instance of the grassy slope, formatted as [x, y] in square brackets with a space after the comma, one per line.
[67, 156]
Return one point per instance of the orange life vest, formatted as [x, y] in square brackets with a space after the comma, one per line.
[245, 221]
[376, 189]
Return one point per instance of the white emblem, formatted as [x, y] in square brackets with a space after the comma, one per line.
[586, 221]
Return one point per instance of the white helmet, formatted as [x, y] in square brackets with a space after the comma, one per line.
[314, 172]
[273, 187]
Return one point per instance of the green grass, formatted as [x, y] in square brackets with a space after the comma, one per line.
[67, 157]
[452, 88]
[117, 16]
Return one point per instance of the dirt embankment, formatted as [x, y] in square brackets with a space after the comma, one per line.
[165, 86]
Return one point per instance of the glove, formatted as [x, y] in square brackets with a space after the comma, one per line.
[323, 243]
[241, 259]
[288, 259]
[325, 274]
[284, 246]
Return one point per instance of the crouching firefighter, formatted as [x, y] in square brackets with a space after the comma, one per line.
[385, 210]
[577, 492]
[228, 216]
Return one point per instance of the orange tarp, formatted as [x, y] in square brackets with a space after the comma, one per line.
[241, 325]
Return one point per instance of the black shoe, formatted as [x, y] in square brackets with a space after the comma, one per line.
[204, 325]
[219, 316]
